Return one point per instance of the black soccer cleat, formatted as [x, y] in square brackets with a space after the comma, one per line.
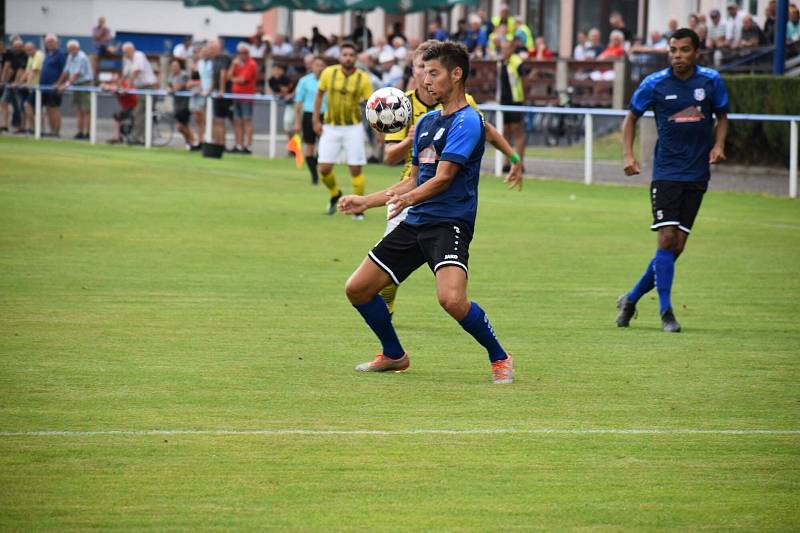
[333, 202]
[668, 322]
[627, 311]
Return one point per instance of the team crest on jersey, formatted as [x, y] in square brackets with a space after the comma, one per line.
[700, 94]
[439, 134]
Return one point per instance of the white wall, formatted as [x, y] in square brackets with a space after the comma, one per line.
[77, 17]
[328, 25]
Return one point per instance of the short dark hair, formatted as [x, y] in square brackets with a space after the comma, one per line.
[348, 44]
[684, 33]
[451, 55]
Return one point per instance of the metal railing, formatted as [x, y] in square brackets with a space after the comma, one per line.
[588, 114]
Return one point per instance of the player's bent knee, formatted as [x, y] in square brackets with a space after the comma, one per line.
[456, 305]
[357, 293]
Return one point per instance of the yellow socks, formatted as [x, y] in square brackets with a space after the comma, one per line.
[358, 184]
[389, 293]
[330, 182]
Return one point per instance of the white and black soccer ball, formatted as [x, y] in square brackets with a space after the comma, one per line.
[388, 110]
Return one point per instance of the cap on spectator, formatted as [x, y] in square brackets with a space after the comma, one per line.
[385, 57]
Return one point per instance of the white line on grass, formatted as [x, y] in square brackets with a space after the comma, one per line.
[397, 432]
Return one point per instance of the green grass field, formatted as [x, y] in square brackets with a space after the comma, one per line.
[147, 293]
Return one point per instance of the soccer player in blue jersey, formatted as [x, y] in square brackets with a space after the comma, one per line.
[443, 198]
[684, 98]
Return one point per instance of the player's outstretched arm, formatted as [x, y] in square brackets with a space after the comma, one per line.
[514, 177]
[395, 152]
[628, 133]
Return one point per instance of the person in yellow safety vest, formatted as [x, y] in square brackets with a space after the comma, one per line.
[512, 93]
[505, 19]
[496, 39]
[522, 32]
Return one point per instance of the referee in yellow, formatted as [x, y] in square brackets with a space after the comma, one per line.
[346, 87]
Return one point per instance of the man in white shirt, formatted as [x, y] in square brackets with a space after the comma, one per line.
[138, 71]
[280, 47]
[733, 25]
[183, 50]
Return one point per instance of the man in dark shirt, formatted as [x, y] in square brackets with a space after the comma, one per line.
[751, 33]
[223, 107]
[360, 34]
[52, 67]
[14, 61]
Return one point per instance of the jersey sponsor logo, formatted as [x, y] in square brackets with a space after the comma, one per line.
[428, 155]
[671, 97]
[700, 94]
[690, 114]
[438, 134]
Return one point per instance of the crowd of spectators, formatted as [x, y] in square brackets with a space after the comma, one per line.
[204, 67]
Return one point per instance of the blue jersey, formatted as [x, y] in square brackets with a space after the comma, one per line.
[459, 138]
[306, 92]
[683, 110]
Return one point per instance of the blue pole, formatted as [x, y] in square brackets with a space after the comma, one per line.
[781, 18]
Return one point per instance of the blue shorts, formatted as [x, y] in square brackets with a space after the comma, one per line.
[242, 109]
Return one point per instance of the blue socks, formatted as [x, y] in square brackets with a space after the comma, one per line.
[664, 268]
[476, 323]
[644, 285]
[376, 315]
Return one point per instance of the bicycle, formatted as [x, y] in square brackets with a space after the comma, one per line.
[566, 126]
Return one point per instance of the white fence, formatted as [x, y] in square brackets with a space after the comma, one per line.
[588, 114]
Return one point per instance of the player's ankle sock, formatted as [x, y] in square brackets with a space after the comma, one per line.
[476, 323]
[645, 284]
[311, 161]
[376, 315]
[389, 293]
[330, 182]
[358, 184]
[664, 267]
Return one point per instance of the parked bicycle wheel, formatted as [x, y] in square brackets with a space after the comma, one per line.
[163, 128]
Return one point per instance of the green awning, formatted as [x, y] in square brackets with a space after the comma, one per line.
[326, 6]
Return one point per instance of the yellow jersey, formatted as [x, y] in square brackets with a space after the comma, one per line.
[418, 108]
[345, 93]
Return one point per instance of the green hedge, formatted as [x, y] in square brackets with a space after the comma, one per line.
[761, 143]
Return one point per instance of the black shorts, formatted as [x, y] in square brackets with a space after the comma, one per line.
[512, 117]
[309, 135]
[676, 203]
[183, 115]
[123, 114]
[51, 99]
[408, 247]
[223, 108]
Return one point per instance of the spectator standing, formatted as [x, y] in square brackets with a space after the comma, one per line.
[334, 49]
[691, 23]
[542, 52]
[476, 34]
[220, 84]
[581, 47]
[14, 62]
[436, 32]
[672, 27]
[53, 65]
[138, 72]
[618, 23]
[179, 82]
[793, 24]
[461, 31]
[281, 86]
[184, 49]
[733, 25]
[361, 36]
[243, 74]
[33, 71]
[595, 44]
[280, 47]
[511, 93]
[77, 73]
[101, 37]
[259, 47]
[506, 20]
[769, 21]
[523, 35]
[702, 32]
[716, 30]
[200, 85]
[391, 73]
[397, 31]
[319, 43]
[304, 108]
[751, 33]
[398, 48]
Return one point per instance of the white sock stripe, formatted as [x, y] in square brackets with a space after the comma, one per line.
[398, 432]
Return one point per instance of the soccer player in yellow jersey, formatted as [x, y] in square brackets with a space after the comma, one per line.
[346, 87]
[399, 145]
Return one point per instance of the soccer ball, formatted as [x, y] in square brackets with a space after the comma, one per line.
[388, 110]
